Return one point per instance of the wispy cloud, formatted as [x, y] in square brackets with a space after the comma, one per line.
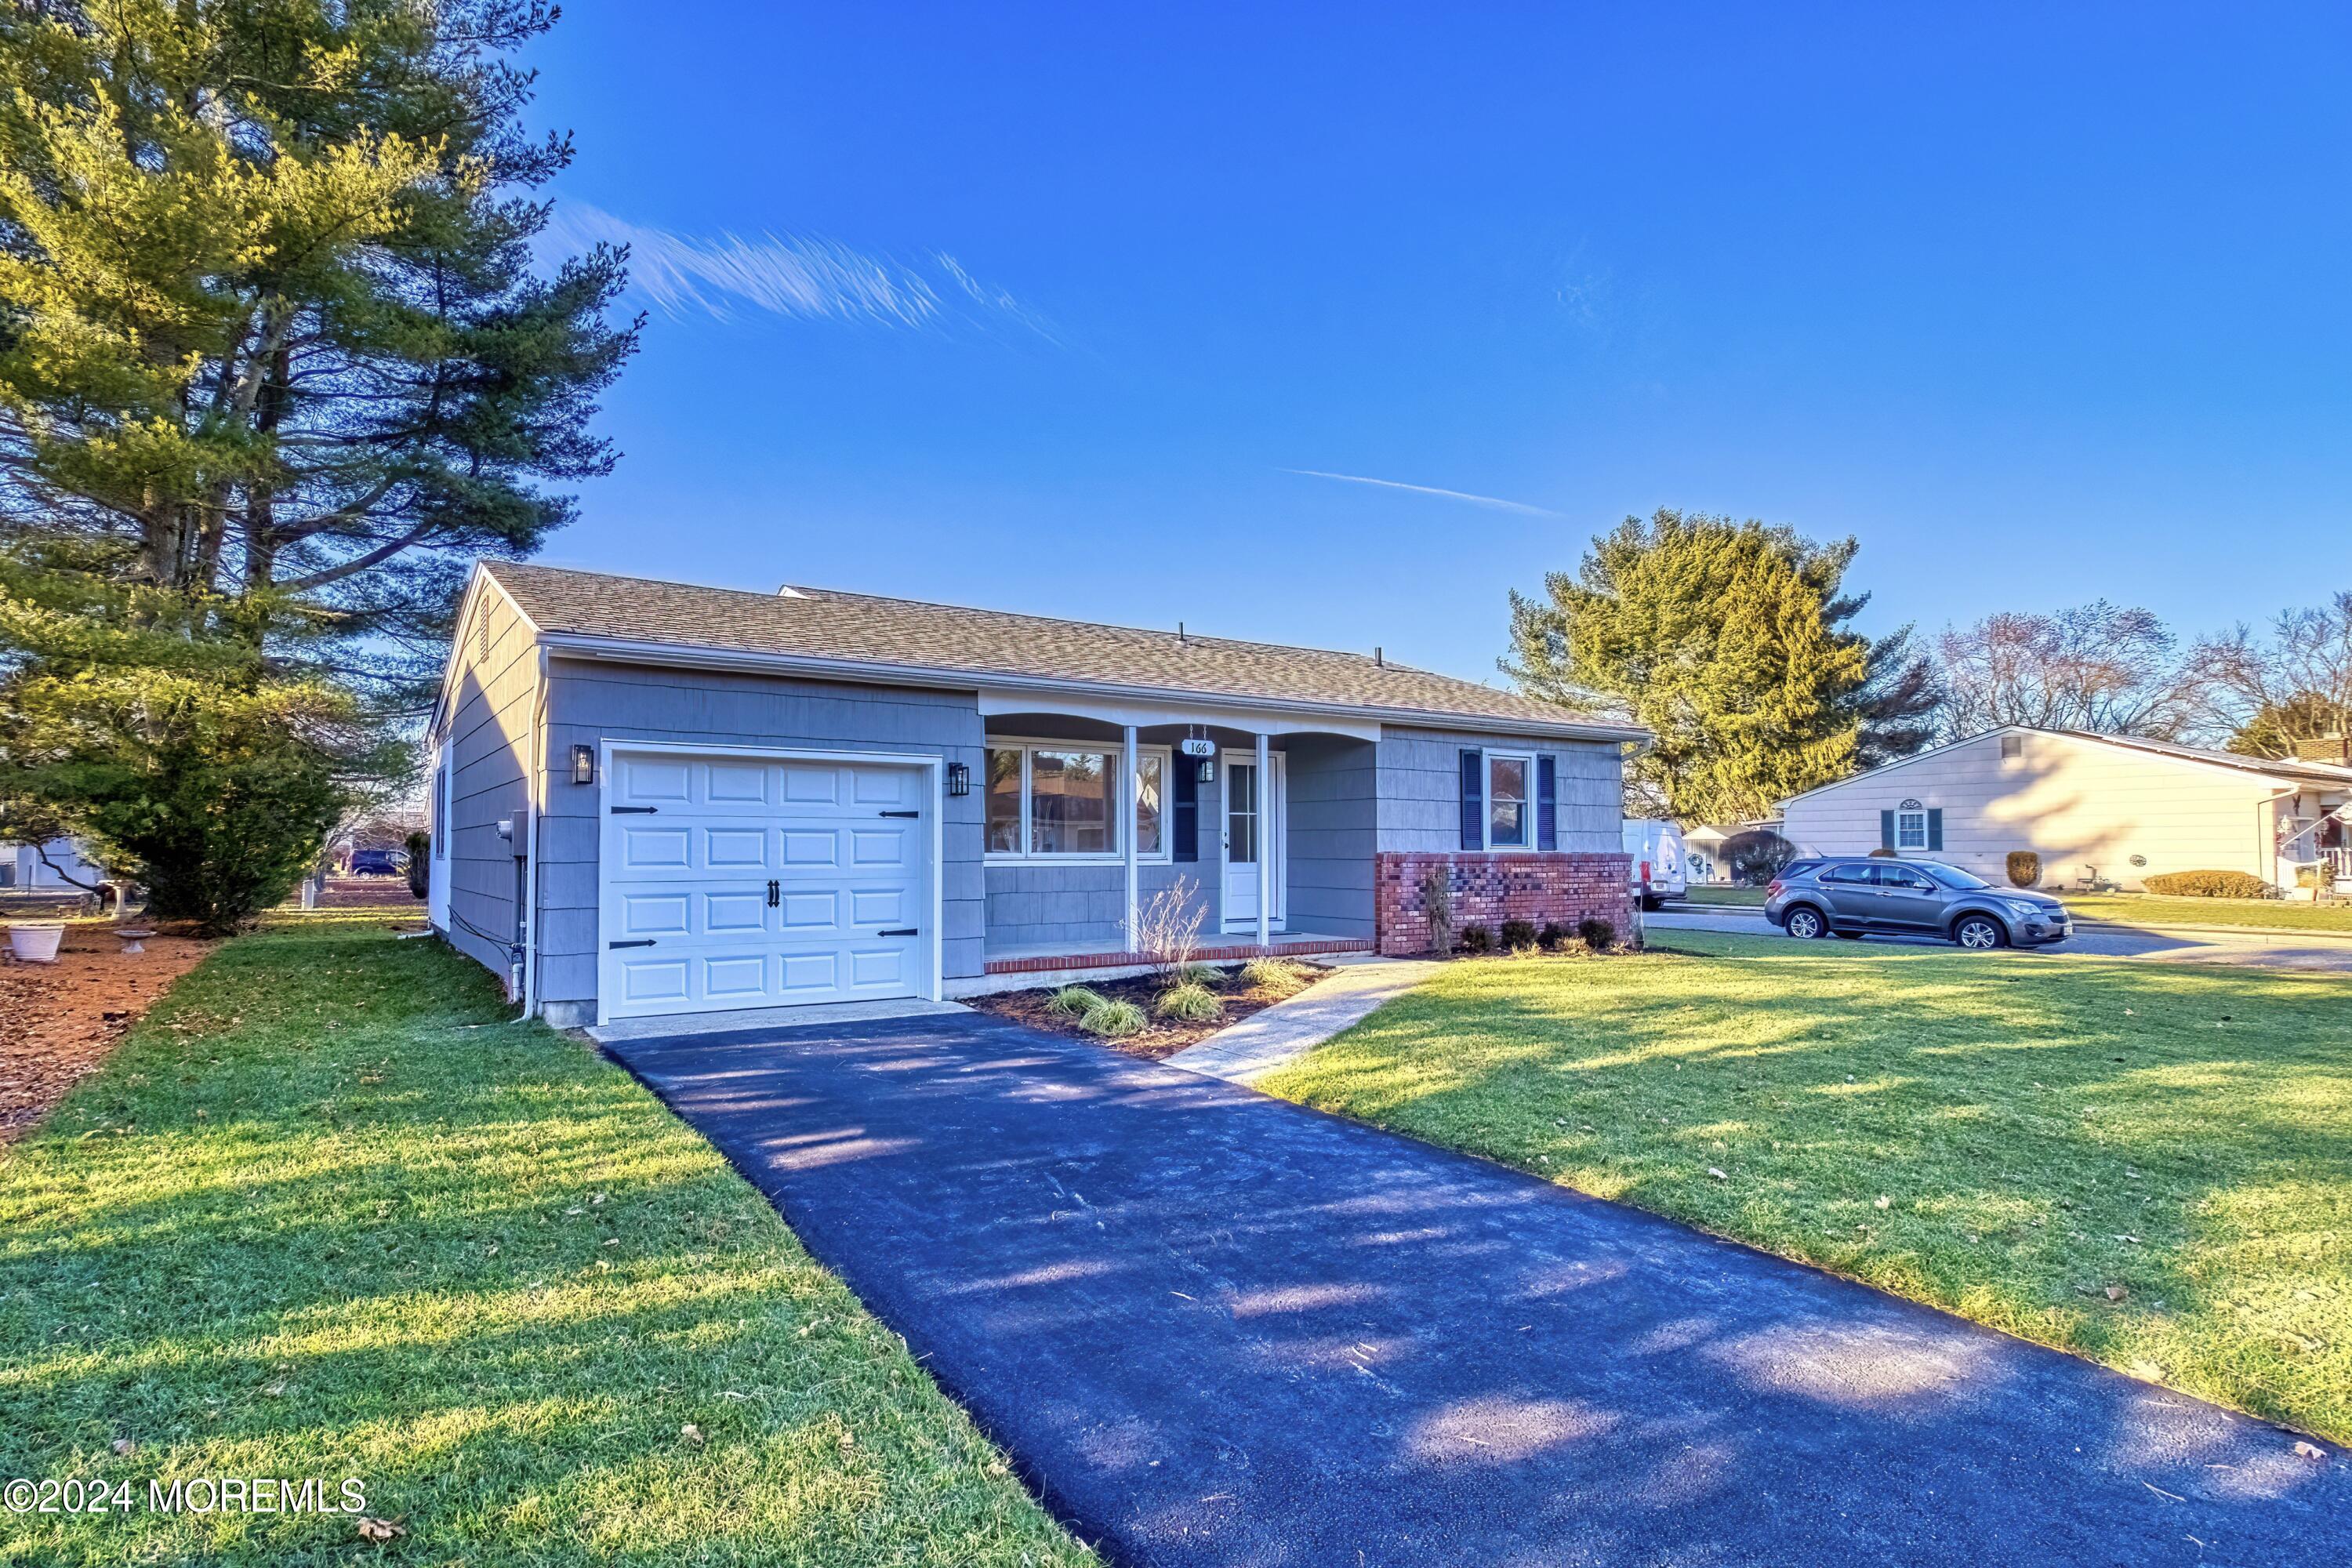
[1494, 502]
[799, 276]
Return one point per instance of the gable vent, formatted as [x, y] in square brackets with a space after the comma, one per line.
[482, 635]
[788, 592]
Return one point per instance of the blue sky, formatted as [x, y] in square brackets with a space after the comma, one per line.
[1068, 309]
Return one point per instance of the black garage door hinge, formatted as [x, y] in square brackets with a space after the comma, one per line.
[900, 813]
[638, 810]
[906, 931]
[636, 942]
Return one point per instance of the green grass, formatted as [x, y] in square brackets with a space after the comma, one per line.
[1712, 895]
[2259, 914]
[2039, 1131]
[325, 1215]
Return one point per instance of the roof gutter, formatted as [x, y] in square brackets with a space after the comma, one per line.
[622, 650]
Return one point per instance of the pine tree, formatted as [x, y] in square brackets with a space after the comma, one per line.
[1728, 640]
[274, 363]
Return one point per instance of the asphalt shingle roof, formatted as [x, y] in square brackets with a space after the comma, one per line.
[820, 623]
[2288, 767]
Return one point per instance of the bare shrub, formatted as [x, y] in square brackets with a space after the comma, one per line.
[1168, 931]
[1437, 901]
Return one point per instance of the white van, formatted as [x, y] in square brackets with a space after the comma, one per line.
[1660, 870]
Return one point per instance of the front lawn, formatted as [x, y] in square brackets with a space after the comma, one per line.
[2150, 1165]
[2259, 914]
[325, 1215]
[1713, 894]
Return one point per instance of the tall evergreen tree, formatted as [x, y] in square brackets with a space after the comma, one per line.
[1728, 639]
[274, 363]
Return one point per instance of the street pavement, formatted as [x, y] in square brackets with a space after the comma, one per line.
[2299, 951]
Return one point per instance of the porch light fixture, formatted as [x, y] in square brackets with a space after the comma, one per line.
[1208, 770]
[958, 779]
[584, 765]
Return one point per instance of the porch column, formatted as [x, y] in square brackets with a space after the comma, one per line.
[1264, 850]
[1133, 787]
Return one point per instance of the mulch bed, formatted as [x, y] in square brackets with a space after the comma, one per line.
[59, 1020]
[1160, 1037]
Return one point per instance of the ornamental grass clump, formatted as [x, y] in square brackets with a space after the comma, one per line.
[1274, 974]
[1074, 1002]
[1189, 1002]
[1113, 1020]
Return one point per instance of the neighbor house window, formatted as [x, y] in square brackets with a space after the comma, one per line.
[1910, 828]
[1506, 800]
[1056, 801]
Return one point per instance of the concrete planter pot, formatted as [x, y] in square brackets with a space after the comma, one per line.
[36, 941]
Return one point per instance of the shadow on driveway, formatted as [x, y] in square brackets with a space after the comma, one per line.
[1217, 1328]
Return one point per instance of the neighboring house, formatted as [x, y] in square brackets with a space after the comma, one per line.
[652, 798]
[64, 869]
[2106, 809]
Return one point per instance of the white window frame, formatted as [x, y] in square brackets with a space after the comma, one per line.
[1527, 804]
[1904, 818]
[1115, 751]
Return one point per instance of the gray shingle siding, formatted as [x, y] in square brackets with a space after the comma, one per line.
[1420, 789]
[1334, 825]
[486, 740]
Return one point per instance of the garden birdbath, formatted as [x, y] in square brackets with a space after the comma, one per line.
[134, 940]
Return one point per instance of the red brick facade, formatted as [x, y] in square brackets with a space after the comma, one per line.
[1488, 889]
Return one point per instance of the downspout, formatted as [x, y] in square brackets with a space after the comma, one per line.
[534, 783]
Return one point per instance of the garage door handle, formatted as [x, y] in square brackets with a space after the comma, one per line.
[637, 810]
[900, 813]
[903, 931]
[635, 941]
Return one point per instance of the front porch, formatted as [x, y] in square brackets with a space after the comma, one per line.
[1265, 827]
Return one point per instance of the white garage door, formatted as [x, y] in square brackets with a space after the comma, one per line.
[761, 882]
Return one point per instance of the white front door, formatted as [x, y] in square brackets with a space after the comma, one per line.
[747, 881]
[1246, 839]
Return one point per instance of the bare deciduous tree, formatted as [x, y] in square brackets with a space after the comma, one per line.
[2291, 686]
[2098, 666]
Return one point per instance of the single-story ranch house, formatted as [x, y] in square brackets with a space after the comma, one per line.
[2097, 809]
[650, 798]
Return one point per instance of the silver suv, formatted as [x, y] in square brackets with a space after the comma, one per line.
[1848, 897]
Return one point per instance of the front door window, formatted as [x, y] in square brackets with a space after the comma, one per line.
[1240, 814]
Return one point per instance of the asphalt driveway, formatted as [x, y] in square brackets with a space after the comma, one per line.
[1212, 1328]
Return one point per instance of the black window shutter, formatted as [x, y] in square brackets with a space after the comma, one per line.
[1473, 800]
[1547, 804]
[1934, 828]
[1886, 830]
[1184, 808]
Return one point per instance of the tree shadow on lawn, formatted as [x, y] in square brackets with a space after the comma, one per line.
[2039, 1135]
[464, 1261]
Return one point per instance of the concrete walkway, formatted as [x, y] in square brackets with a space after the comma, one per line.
[1289, 1029]
[1216, 1331]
